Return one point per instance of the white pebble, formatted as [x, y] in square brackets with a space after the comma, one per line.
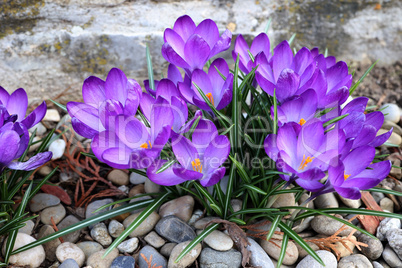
[57, 148]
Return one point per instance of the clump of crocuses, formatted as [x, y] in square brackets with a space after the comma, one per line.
[177, 136]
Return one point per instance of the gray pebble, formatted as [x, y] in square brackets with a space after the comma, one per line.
[390, 257]
[374, 249]
[27, 229]
[123, 262]
[89, 247]
[115, 228]
[157, 258]
[95, 205]
[128, 246]
[167, 249]
[41, 201]
[174, 229]
[69, 263]
[327, 257]
[66, 222]
[57, 213]
[210, 258]
[136, 178]
[100, 234]
[258, 256]
[386, 225]
[394, 238]
[154, 240]
[356, 260]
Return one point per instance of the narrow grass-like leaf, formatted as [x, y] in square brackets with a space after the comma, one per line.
[242, 172]
[334, 120]
[256, 210]
[91, 155]
[291, 39]
[250, 55]
[275, 113]
[284, 246]
[229, 190]
[384, 191]
[61, 106]
[221, 74]
[237, 221]
[207, 195]
[254, 188]
[197, 240]
[143, 215]
[139, 172]
[353, 88]
[268, 25]
[95, 219]
[274, 224]
[150, 69]
[42, 182]
[166, 166]
[226, 131]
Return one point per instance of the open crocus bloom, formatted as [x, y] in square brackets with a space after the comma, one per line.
[173, 74]
[17, 104]
[355, 172]
[167, 90]
[306, 153]
[217, 90]
[190, 47]
[102, 101]
[131, 144]
[199, 159]
[241, 48]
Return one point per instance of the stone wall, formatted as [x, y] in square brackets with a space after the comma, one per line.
[49, 47]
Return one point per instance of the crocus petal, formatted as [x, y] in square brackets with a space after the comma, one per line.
[187, 174]
[270, 146]
[185, 128]
[375, 119]
[174, 74]
[166, 178]
[4, 96]
[175, 41]
[35, 116]
[18, 104]
[350, 193]
[201, 79]
[222, 44]
[260, 44]
[359, 105]
[9, 144]
[161, 138]
[184, 151]
[369, 178]
[171, 56]
[103, 141]
[287, 85]
[379, 140]
[180, 113]
[131, 131]
[227, 95]
[302, 59]
[186, 92]
[152, 92]
[213, 177]
[214, 75]
[116, 86]
[146, 104]
[366, 135]
[240, 48]
[93, 91]
[161, 116]
[118, 157]
[33, 163]
[312, 186]
[167, 89]
[358, 159]
[334, 98]
[216, 153]
[208, 30]
[133, 97]
[87, 114]
[196, 52]
[108, 111]
[184, 26]
[352, 124]
[82, 129]
[282, 58]
[287, 140]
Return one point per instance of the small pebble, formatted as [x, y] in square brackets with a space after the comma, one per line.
[374, 249]
[391, 257]
[151, 187]
[386, 225]
[136, 190]
[258, 256]
[387, 204]
[40, 129]
[27, 229]
[273, 251]
[118, 177]
[327, 226]
[394, 238]
[174, 229]
[202, 223]
[100, 234]
[327, 257]
[57, 213]
[154, 240]
[57, 147]
[41, 201]
[188, 259]
[352, 203]
[52, 115]
[326, 201]
[89, 247]
[115, 228]
[218, 240]
[181, 207]
[377, 265]
[44, 171]
[69, 263]
[209, 258]
[137, 178]
[157, 258]
[195, 217]
[66, 222]
[96, 260]
[342, 249]
[69, 250]
[166, 249]
[128, 246]
[393, 139]
[356, 260]
[97, 204]
[145, 227]
[50, 246]
[123, 262]
[391, 112]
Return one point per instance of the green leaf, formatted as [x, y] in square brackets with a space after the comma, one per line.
[229, 190]
[384, 191]
[143, 215]
[256, 210]
[139, 172]
[206, 194]
[284, 246]
[91, 155]
[250, 55]
[197, 240]
[221, 74]
[291, 39]
[166, 166]
[268, 25]
[336, 119]
[353, 88]
[275, 113]
[273, 227]
[150, 69]
[61, 106]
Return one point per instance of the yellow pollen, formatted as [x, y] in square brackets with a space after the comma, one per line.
[211, 98]
[346, 176]
[197, 166]
[305, 161]
[302, 121]
[145, 145]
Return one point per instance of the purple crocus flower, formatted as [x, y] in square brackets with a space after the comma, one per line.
[199, 159]
[132, 145]
[355, 172]
[166, 89]
[189, 46]
[17, 104]
[241, 48]
[306, 153]
[103, 100]
[217, 90]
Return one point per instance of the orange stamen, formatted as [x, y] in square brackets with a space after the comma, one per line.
[145, 145]
[346, 176]
[210, 98]
[305, 162]
[197, 166]
[302, 121]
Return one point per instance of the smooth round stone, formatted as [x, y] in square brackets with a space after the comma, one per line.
[66, 222]
[136, 190]
[27, 229]
[327, 257]
[377, 265]
[145, 227]
[42, 200]
[374, 247]
[302, 252]
[142, 198]
[195, 217]
[386, 225]
[57, 147]
[51, 246]
[35, 146]
[174, 229]
[97, 204]
[124, 189]
[356, 260]
[166, 249]
[52, 115]
[188, 259]
[115, 228]
[391, 112]
[137, 178]
[157, 258]
[395, 128]
[236, 205]
[394, 138]
[89, 248]
[284, 200]
[391, 257]
[219, 241]
[96, 260]
[387, 204]
[394, 238]
[118, 177]
[44, 171]
[100, 234]
[326, 201]
[69, 250]
[343, 251]
[209, 258]
[303, 224]
[57, 213]
[258, 256]
[181, 207]
[327, 226]
[274, 251]
[128, 246]
[69, 263]
[123, 262]
[352, 203]
[40, 129]
[151, 187]
[202, 223]
[154, 240]
[32, 257]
